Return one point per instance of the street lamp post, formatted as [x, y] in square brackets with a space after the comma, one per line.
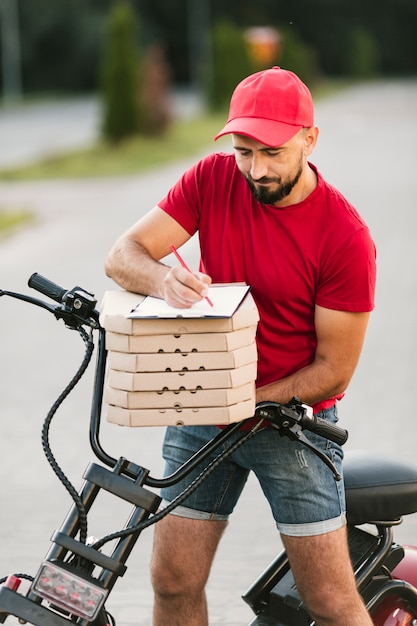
[10, 51]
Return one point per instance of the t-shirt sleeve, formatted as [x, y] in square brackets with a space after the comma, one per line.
[183, 201]
[348, 281]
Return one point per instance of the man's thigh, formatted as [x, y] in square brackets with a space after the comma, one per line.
[304, 495]
[217, 495]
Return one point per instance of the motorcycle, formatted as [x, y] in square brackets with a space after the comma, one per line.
[75, 578]
[379, 492]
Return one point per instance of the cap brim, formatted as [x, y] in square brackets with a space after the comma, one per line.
[268, 132]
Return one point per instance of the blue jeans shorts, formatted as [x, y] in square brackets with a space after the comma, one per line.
[304, 496]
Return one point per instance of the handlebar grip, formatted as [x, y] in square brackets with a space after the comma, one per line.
[47, 287]
[329, 431]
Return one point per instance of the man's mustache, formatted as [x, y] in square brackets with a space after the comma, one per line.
[264, 180]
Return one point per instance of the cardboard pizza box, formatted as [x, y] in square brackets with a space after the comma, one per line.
[183, 398]
[179, 417]
[169, 366]
[179, 362]
[206, 379]
[194, 342]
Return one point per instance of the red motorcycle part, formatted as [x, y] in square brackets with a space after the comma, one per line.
[407, 567]
[392, 611]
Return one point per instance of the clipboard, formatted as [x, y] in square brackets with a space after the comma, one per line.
[225, 298]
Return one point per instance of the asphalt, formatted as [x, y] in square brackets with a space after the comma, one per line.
[30, 130]
[367, 150]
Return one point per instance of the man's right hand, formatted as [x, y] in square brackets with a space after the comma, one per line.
[182, 288]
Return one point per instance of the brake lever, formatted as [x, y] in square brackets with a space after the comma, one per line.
[296, 432]
[75, 311]
[287, 419]
[36, 301]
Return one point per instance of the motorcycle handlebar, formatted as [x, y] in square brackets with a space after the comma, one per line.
[329, 431]
[296, 413]
[47, 287]
[76, 306]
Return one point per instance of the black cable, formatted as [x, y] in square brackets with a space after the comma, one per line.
[82, 515]
[121, 534]
[22, 576]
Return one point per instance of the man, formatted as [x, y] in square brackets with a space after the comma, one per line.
[265, 216]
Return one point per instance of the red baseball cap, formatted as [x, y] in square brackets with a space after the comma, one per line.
[270, 106]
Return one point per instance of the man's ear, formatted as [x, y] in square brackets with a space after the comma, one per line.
[310, 139]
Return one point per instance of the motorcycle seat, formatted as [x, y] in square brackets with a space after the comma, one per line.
[378, 488]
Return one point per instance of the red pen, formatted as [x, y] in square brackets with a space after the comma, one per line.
[183, 263]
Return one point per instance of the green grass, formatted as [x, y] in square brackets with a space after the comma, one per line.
[135, 155]
[13, 219]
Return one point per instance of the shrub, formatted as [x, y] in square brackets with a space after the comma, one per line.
[363, 55]
[230, 64]
[120, 75]
[298, 57]
[156, 89]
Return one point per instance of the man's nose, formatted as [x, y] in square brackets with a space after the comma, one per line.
[259, 167]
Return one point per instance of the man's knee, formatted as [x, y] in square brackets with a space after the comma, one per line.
[327, 602]
[172, 577]
[333, 607]
[169, 579]
[324, 576]
[182, 555]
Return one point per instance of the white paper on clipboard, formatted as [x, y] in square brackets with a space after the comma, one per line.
[226, 298]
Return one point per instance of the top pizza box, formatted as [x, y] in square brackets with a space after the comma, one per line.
[132, 314]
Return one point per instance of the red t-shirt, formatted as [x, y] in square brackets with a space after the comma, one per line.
[316, 252]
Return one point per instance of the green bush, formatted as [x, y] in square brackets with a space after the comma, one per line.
[363, 55]
[230, 64]
[121, 75]
[298, 57]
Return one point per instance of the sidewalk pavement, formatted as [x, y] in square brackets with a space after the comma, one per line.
[367, 149]
[43, 129]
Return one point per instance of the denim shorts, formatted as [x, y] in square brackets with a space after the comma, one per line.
[304, 496]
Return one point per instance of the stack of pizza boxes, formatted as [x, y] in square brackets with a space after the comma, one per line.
[178, 370]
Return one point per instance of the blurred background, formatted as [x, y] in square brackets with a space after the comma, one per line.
[103, 105]
[69, 47]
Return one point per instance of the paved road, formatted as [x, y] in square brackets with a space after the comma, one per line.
[367, 149]
[48, 128]
[42, 129]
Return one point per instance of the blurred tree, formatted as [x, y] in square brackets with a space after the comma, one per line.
[231, 62]
[61, 43]
[167, 21]
[298, 57]
[363, 54]
[394, 27]
[120, 75]
[156, 91]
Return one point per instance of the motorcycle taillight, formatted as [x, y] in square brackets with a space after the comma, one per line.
[68, 590]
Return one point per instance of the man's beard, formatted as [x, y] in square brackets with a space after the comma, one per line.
[265, 195]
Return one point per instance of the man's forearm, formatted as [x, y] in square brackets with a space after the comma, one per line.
[131, 267]
[312, 384]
